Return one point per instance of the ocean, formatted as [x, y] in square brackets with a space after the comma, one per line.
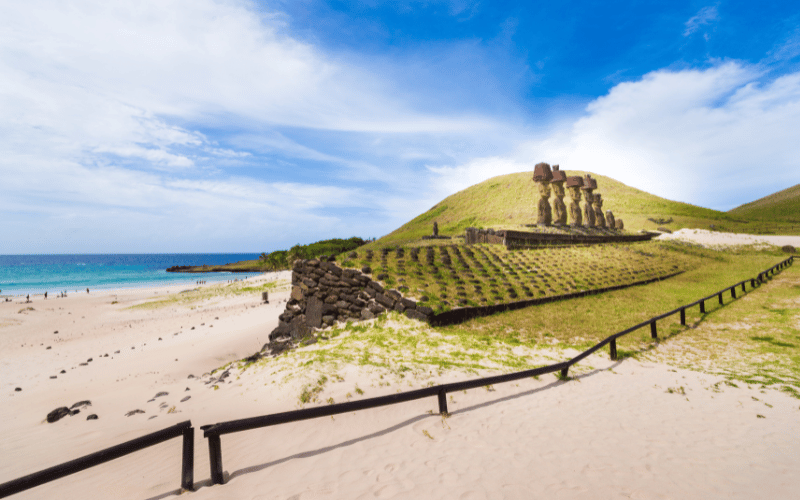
[36, 274]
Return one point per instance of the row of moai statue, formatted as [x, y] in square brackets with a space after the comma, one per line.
[592, 214]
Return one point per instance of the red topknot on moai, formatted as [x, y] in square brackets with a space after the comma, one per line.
[542, 175]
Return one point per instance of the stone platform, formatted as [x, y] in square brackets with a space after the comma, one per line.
[528, 239]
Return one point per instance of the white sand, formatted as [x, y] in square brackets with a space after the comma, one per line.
[717, 239]
[616, 432]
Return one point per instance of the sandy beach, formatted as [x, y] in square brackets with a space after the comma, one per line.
[712, 239]
[626, 429]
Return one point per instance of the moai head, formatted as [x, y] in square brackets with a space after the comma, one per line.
[559, 178]
[597, 200]
[544, 189]
[589, 185]
[542, 175]
[574, 184]
[435, 229]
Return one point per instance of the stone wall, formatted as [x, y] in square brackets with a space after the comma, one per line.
[522, 239]
[324, 293]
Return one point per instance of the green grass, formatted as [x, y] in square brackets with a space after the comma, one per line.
[752, 340]
[445, 277]
[189, 297]
[755, 340]
[781, 205]
[585, 321]
[509, 202]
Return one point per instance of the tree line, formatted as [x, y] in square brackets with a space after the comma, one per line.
[282, 259]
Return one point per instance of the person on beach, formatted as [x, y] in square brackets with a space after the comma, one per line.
[28, 298]
[45, 295]
[87, 290]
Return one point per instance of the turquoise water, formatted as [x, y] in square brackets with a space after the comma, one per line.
[35, 274]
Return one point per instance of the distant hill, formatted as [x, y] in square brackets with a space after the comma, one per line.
[781, 206]
[509, 201]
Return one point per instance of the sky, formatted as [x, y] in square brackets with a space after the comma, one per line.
[168, 126]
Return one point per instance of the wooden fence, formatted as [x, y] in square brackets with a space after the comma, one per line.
[183, 429]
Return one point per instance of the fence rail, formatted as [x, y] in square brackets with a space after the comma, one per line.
[215, 431]
[183, 429]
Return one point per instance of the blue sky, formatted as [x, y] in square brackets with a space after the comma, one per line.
[205, 126]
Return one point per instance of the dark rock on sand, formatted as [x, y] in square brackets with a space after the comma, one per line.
[162, 393]
[81, 404]
[57, 414]
[133, 412]
[187, 398]
[63, 371]
[17, 389]
[92, 417]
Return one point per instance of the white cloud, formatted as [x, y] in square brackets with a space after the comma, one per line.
[105, 107]
[704, 17]
[716, 137]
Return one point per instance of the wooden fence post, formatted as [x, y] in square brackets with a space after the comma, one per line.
[733, 292]
[187, 471]
[215, 458]
[683, 316]
[720, 299]
[612, 346]
[565, 372]
[442, 402]
[653, 331]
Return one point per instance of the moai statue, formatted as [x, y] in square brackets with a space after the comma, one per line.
[559, 209]
[619, 225]
[574, 184]
[610, 222]
[597, 204]
[435, 229]
[542, 176]
[589, 185]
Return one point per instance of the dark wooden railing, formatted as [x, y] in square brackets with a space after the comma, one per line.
[213, 432]
[183, 429]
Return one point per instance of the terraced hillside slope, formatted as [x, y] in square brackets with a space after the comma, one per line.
[509, 202]
[783, 206]
[449, 276]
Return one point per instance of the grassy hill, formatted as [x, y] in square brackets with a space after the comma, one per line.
[509, 202]
[783, 206]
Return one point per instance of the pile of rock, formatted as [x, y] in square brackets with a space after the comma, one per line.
[324, 293]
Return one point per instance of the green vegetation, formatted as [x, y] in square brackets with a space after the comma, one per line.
[585, 321]
[443, 277]
[282, 259]
[193, 296]
[755, 340]
[509, 202]
[774, 212]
